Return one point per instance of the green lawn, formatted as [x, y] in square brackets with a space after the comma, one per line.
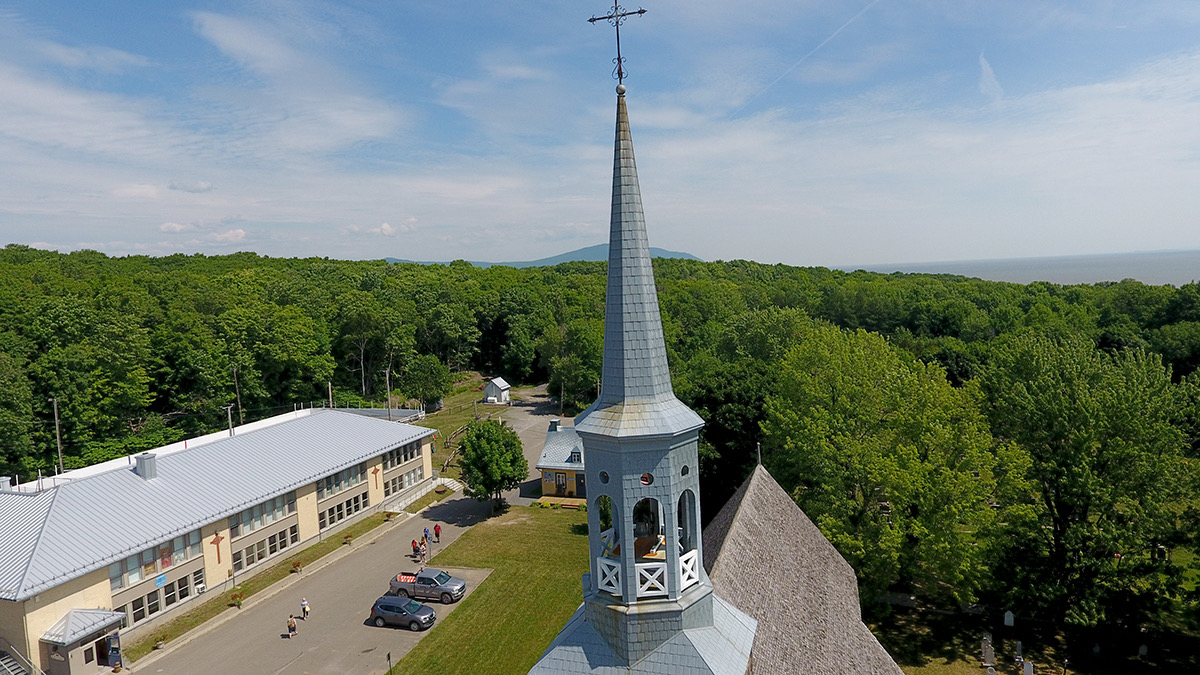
[504, 626]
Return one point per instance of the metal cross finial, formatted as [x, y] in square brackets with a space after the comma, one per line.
[616, 17]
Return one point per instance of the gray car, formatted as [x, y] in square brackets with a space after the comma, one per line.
[390, 610]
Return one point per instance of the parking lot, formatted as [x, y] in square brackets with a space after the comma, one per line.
[337, 638]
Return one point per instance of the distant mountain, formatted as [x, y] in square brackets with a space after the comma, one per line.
[591, 253]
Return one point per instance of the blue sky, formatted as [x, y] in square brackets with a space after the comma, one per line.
[811, 133]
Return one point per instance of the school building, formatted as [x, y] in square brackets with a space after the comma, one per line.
[113, 548]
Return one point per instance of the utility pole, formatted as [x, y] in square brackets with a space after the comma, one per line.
[329, 385]
[58, 434]
[238, 391]
[229, 411]
[387, 379]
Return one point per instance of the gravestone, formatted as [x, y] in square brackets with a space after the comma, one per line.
[1029, 668]
[991, 671]
[1008, 619]
[1096, 649]
[1143, 650]
[1019, 654]
[989, 654]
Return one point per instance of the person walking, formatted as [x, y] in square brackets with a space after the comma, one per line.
[292, 626]
[416, 549]
[427, 534]
[304, 608]
[423, 551]
[437, 533]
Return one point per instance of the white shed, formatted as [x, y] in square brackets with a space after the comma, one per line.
[496, 391]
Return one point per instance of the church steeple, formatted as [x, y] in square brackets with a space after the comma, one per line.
[636, 398]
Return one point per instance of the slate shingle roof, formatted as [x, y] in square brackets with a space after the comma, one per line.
[767, 558]
[636, 398]
[720, 649]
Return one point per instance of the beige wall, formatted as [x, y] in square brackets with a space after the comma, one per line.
[216, 573]
[12, 625]
[90, 591]
[427, 456]
[375, 480]
[306, 511]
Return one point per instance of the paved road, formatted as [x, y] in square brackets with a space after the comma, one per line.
[530, 418]
[336, 639]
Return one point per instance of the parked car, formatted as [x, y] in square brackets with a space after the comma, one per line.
[429, 584]
[390, 610]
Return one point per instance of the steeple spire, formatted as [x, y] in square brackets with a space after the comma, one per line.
[636, 398]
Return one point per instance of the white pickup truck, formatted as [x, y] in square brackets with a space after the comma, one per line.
[428, 584]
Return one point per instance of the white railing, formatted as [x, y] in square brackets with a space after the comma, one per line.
[689, 570]
[608, 539]
[610, 575]
[652, 579]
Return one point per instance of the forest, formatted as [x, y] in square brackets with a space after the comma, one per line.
[962, 441]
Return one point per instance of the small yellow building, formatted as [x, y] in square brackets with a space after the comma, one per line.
[115, 547]
[561, 462]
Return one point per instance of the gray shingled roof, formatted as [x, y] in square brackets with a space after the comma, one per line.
[770, 561]
[636, 398]
[77, 624]
[556, 451]
[721, 649]
[67, 531]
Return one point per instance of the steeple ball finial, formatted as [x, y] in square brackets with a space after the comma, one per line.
[620, 90]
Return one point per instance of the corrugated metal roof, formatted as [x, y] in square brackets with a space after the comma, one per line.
[499, 382]
[77, 624]
[90, 523]
[556, 452]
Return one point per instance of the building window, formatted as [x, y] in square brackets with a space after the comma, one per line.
[169, 594]
[152, 603]
[237, 561]
[294, 531]
[198, 579]
[89, 655]
[116, 576]
[139, 609]
[182, 585]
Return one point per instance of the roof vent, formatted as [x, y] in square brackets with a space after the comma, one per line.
[554, 424]
[147, 466]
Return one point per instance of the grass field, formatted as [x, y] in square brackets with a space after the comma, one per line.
[504, 626]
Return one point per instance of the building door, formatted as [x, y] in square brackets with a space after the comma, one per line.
[560, 483]
[580, 490]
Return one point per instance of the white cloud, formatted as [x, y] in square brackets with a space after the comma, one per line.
[988, 85]
[176, 227]
[194, 186]
[228, 236]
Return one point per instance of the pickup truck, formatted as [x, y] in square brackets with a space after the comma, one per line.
[428, 584]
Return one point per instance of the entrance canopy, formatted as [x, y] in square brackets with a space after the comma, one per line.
[78, 624]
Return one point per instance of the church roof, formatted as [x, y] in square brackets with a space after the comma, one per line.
[636, 398]
[764, 555]
[721, 649]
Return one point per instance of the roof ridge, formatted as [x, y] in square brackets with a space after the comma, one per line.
[718, 543]
[41, 533]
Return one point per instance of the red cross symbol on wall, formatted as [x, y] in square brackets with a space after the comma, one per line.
[216, 541]
[376, 472]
